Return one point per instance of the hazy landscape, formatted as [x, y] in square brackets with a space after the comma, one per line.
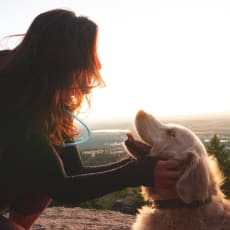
[109, 135]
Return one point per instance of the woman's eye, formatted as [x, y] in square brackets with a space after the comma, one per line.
[171, 133]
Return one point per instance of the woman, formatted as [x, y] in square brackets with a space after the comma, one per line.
[42, 80]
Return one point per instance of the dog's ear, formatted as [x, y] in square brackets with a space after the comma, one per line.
[193, 184]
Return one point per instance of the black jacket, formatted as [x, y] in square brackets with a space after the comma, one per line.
[29, 161]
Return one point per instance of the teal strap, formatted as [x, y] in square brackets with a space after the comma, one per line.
[79, 142]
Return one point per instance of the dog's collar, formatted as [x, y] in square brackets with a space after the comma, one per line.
[177, 203]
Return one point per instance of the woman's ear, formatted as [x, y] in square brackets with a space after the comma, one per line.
[193, 184]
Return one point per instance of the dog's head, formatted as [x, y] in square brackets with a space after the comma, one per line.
[178, 142]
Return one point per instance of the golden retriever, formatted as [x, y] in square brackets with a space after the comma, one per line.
[200, 204]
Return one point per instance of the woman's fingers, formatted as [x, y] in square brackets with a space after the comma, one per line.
[170, 164]
[167, 173]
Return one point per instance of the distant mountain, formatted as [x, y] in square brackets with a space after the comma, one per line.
[212, 123]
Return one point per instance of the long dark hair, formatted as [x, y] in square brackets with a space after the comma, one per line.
[53, 69]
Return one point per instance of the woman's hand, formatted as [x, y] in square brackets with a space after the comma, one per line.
[166, 174]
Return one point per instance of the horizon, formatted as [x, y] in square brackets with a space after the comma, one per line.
[208, 115]
[216, 121]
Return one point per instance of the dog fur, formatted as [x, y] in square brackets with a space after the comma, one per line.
[200, 180]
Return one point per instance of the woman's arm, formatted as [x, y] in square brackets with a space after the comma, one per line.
[42, 164]
[83, 187]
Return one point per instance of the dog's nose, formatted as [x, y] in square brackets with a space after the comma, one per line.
[141, 113]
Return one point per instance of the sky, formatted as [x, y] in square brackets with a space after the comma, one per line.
[164, 56]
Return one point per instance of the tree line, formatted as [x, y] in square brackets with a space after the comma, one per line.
[219, 150]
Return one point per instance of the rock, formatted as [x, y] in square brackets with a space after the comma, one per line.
[60, 218]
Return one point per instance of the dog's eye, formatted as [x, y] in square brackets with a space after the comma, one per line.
[171, 133]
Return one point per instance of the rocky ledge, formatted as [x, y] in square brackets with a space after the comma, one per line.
[60, 218]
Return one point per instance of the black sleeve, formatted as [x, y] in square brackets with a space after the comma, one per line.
[71, 158]
[3, 54]
[44, 165]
